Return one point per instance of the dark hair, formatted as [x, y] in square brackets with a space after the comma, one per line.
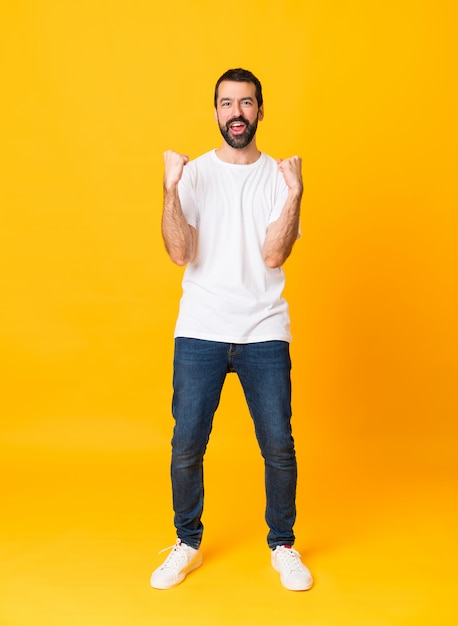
[240, 76]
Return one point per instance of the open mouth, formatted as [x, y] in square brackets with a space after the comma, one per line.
[237, 127]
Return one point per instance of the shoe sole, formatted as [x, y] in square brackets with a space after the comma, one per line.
[292, 588]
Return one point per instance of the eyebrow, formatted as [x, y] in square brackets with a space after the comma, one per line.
[227, 99]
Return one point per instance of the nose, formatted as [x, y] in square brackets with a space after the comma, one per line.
[236, 110]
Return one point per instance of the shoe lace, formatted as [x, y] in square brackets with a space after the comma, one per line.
[176, 559]
[291, 558]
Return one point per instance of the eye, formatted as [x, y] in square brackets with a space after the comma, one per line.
[246, 103]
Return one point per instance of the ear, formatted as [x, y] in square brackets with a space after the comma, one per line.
[261, 113]
[215, 115]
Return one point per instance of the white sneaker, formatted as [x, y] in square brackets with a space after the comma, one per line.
[182, 560]
[293, 573]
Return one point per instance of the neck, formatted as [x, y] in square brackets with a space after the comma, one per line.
[242, 156]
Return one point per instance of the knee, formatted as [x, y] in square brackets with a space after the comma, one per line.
[188, 451]
[279, 452]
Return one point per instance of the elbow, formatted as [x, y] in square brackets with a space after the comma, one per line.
[179, 259]
[275, 258]
[181, 250]
[180, 255]
[274, 261]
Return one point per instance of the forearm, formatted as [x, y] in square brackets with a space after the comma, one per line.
[179, 236]
[282, 234]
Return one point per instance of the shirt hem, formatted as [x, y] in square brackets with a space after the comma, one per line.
[233, 338]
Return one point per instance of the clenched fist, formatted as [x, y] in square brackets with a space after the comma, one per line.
[173, 167]
[292, 172]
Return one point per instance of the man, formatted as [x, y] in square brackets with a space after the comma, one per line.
[232, 216]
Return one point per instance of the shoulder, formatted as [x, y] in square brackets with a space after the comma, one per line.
[268, 163]
[204, 160]
[268, 159]
[270, 167]
[197, 170]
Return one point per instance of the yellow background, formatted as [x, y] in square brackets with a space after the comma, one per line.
[92, 94]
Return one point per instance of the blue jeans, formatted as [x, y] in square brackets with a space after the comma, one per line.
[200, 368]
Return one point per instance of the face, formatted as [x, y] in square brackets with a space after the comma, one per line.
[237, 113]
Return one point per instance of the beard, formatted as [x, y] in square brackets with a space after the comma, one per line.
[238, 141]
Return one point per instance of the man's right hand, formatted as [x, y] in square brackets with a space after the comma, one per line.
[173, 168]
